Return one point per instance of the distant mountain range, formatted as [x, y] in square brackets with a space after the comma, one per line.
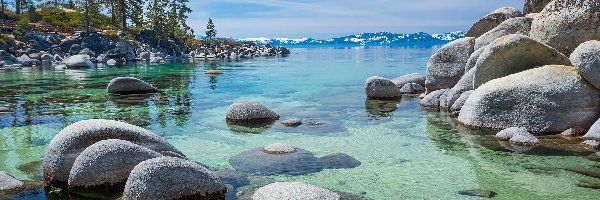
[364, 39]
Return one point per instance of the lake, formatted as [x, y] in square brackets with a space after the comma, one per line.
[406, 152]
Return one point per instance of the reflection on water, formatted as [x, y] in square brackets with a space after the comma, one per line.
[405, 151]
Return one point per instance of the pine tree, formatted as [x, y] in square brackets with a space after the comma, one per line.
[70, 5]
[156, 17]
[172, 21]
[182, 18]
[135, 12]
[210, 30]
[91, 13]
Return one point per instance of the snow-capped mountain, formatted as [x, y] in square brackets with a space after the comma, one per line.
[365, 39]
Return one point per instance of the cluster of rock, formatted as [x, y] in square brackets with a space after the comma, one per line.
[384, 89]
[234, 51]
[111, 158]
[83, 50]
[535, 71]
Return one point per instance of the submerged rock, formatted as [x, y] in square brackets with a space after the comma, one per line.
[250, 112]
[67, 145]
[432, 99]
[512, 54]
[276, 160]
[166, 178]
[586, 58]
[105, 166]
[525, 139]
[129, 85]
[492, 20]
[292, 122]
[380, 108]
[294, 190]
[213, 72]
[546, 99]
[232, 177]
[412, 88]
[339, 161]
[410, 78]
[9, 183]
[564, 24]
[380, 88]
[447, 65]
[506, 134]
[478, 193]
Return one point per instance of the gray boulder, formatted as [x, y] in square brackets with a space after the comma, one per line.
[432, 99]
[46, 57]
[412, 88]
[525, 139]
[88, 52]
[339, 161]
[464, 84]
[511, 54]
[380, 88]
[564, 24]
[492, 20]
[535, 6]
[506, 134]
[294, 190]
[111, 62]
[517, 25]
[249, 111]
[444, 100]
[545, 99]
[473, 59]
[9, 183]
[25, 60]
[129, 85]
[586, 58]
[145, 56]
[447, 65]
[78, 61]
[460, 102]
[105, 166]
[276, 159]
[66, 146]
[75, 48]
[410, 78]
[167, 178]
[594, 132]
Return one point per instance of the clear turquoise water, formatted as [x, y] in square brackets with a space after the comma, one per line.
[406, 152]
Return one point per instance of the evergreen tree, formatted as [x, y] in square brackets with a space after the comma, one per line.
[135, 12]
[91, 13]
[70, 5]
[21, 5]
[210, 30]
[156, 17]
[182, 18]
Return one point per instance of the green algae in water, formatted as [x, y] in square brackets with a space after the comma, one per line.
[405, 151]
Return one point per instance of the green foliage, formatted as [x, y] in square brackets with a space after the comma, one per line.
[4, 38]
[59, 17]
[156, 17]
[32, 15]
[210, 30]
[70, 5]
[22, 27]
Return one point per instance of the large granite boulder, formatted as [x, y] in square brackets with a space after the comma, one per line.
[535, 6]
[464, 84]
[412, 88]
[564, 24]
[586, 58]
[517, 25]
[380, 88]
[410, 78]
[473, 59]
[167, 178]
[78, 61]
[460, 102]
[276, 159]
[492, 20]
[294, 190]
[129, 85]
[250, 112]
[105, 166]
[66, 146]
[9, 183]
[447, 65]
[511, 54]
[545, 99]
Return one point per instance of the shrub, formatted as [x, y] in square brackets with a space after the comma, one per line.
[22, 27]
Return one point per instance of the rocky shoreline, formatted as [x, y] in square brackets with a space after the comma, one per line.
[83, 50]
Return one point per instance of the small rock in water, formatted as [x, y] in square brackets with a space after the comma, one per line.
[478, 193]
[314, 123]
[506, 134]
[279, 148]
[588, 184]
[213, 72]
[411, 88]
[339, 161]
[292, 122]
[524, 139]
[294, 190]
[8, 182]
[260, 162]
[111, 62]
[573, 132]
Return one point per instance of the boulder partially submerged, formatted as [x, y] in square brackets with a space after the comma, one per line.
[129, 85]
[276, 159]
[294, 190]
[380, 88]
[250, 112]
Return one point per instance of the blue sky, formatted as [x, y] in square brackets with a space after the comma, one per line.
[324, 19]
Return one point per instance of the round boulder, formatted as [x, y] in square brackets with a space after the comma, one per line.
[129, 85]
[410, 78]
[275, 160]
[492, 20]
[432, 99]
[447, 65]
[517, 25]
[167, 178]
[511, 54]
[105, 166]
[380, 88]
[524, 139]
[111, 62]
[292, 122]
[545, 99]
[339, 161]
[251, 112]
[460, 102]
[564, 24]
[506, 134]
[78, 61]
[586, 58]
[66, 146]
[412, 88]
[9, 183]
[473, 59]
[464, 84]
[294, 190]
